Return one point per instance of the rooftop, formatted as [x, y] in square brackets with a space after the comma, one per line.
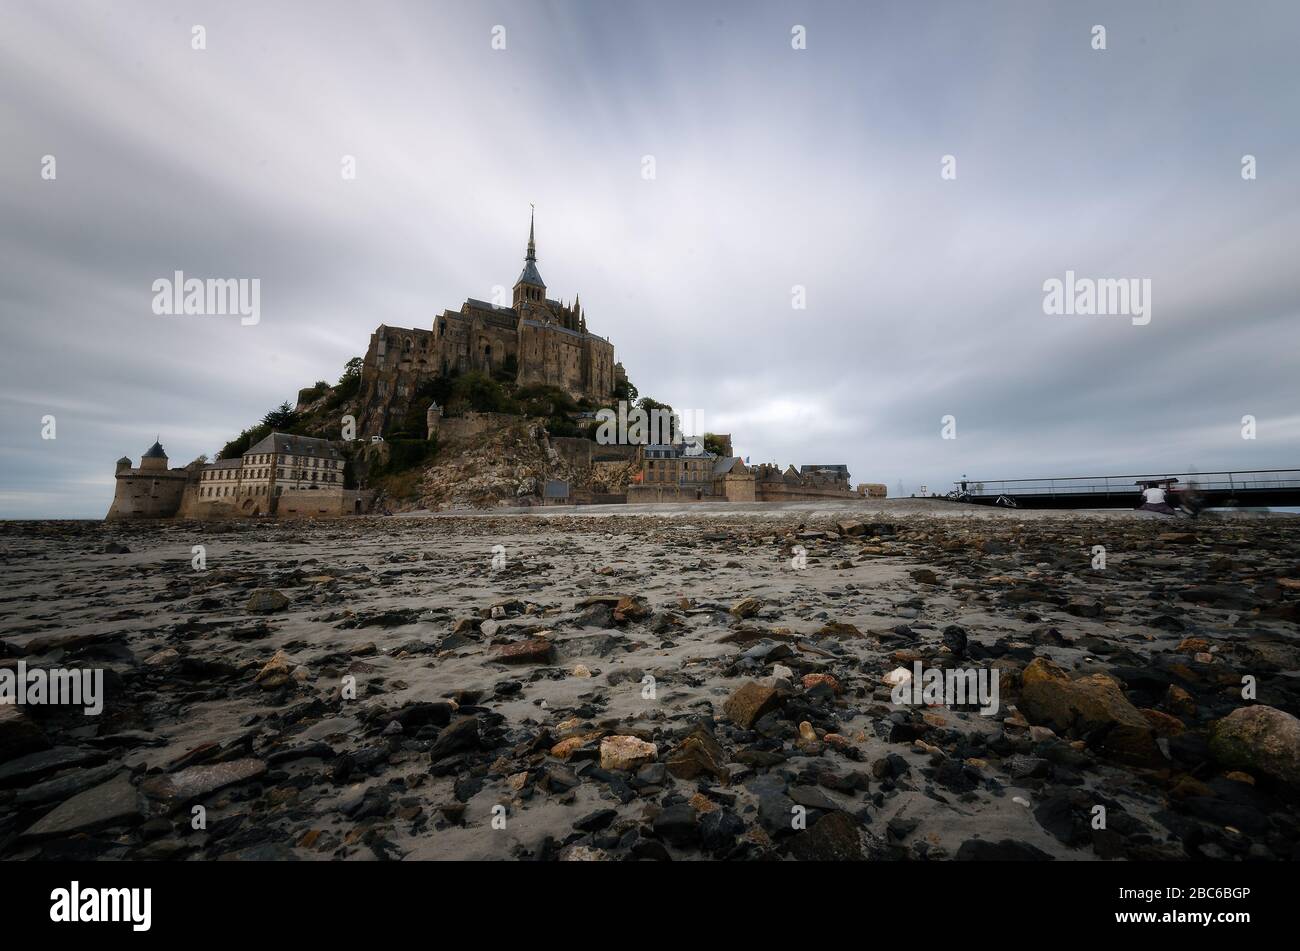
[297, 445]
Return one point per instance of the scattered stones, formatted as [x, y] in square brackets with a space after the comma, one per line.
[368, 715]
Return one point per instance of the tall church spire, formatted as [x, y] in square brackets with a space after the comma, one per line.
[530, 287]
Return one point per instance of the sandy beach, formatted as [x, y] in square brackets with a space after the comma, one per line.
[694, 682]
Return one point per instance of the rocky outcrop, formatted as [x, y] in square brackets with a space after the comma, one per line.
[1259, 739]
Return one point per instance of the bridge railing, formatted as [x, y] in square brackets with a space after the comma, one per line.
[1126, 485]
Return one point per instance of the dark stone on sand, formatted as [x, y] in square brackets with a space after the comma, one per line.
[113, 803]
[954, 638]
[66, 785]
[595, 821]
[1004, 850]
[27, 769]
[835, 837]
[414, 715]
[677, 825]
[459, 735]
[719, 830]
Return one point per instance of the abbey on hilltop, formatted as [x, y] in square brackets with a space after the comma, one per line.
[535, 340]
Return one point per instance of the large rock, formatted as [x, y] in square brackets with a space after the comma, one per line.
[196, 782]
[66, 785]
[750, 702]
[535, 650]
[1259, 738]
[699, 753]
[25, 770]
[115, 802]
[1092, 704]
[19, 734]
[626, 752]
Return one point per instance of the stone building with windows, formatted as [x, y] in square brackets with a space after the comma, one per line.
[535, 340]
[275, 465]
[284, 475]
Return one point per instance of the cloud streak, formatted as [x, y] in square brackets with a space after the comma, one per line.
[775, 168]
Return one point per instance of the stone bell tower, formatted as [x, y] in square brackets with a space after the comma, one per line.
[530, 288]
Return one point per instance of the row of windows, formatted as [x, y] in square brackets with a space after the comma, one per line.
[228, 490]
[296, 475]
[234, 472]
[683, 470]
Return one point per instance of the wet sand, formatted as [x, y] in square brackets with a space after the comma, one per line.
[487, 691]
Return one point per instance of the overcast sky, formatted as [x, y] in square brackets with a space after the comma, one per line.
[773, 167]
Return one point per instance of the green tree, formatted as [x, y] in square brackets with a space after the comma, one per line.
[478, 391]
[714, 445]
[281, 418]
[351, 371]
[625, 392]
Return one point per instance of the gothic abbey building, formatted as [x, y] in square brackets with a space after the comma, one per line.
[536, 340]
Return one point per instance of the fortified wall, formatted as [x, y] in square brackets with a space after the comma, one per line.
[151, 490]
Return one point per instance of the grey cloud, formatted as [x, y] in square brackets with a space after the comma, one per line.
[775, 168]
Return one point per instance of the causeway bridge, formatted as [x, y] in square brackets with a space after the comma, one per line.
[1245, 488]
